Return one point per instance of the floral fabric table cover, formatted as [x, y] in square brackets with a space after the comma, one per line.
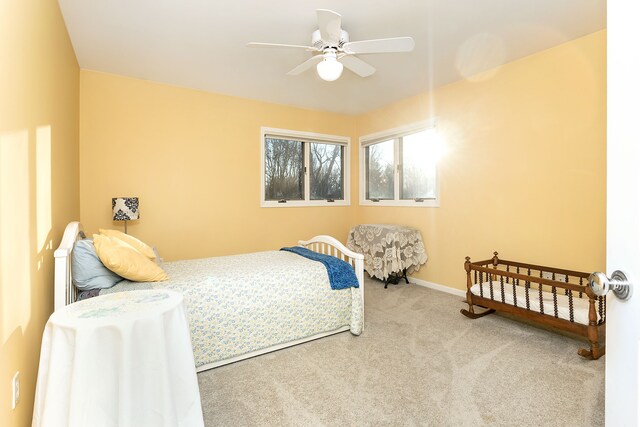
[388, 248]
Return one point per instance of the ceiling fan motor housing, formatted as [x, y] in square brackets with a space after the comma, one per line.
[318, 43]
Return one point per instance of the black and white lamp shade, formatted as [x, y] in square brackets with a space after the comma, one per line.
[125, 208]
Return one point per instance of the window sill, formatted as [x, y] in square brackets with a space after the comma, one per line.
[303, 204]
[430, 203]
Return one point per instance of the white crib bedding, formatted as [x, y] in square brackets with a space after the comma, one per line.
[580, 305]
[242, 303]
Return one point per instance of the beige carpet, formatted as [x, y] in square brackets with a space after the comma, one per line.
[419, 362]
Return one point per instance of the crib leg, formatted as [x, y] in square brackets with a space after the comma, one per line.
[594, 353]
[472, 315]
[592, 335]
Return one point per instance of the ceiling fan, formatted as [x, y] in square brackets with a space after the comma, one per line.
[336, 51]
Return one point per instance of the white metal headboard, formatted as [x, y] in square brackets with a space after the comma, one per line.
[64, 292]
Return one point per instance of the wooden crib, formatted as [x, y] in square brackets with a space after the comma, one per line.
[553, 297]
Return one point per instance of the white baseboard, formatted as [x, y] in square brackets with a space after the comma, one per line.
[437, 287]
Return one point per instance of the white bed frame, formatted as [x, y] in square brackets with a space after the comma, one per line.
[66, 293]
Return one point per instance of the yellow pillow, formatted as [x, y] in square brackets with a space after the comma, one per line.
[137, 244]
[124, 260]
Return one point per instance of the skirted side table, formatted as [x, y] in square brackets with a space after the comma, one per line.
[123, 359]
[390, 250]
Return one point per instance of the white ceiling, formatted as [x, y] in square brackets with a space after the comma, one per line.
[200, 44]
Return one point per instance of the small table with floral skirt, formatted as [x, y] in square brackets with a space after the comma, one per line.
[390, 250]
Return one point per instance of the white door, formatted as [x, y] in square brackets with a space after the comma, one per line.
[622, 379]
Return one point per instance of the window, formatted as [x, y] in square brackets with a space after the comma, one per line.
[303, 169]
[379, 169]
[399, 167]
[284, 169]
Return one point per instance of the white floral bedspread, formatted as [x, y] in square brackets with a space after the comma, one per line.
[243, 303]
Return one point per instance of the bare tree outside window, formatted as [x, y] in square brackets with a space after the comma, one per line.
[379, 170]
[304, 169]
[402, 170]
[326, 178]
[284, 169]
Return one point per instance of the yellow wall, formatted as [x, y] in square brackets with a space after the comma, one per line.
[525, 169]
[39, 83]
[193, 159]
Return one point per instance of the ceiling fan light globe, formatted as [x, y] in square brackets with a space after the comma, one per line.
[329, 69]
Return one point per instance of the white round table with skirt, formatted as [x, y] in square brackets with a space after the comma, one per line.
[123, 359]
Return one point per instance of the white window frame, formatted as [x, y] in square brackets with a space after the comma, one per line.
[394, 134]
[306, 137]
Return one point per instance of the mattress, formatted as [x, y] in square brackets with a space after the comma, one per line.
[580, 305]
[244, 303]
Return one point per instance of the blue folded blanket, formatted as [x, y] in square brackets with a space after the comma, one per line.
[341, 274]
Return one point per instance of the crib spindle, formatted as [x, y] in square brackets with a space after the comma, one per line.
[517, 283]
[601, 309]
[527, 285]
[515, 299]
[490, 285]
[581, 284]
[570, 295]
[555, 301]
[540, 296]
[502, 288]
[481, 286]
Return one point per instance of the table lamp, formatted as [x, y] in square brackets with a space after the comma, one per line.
[125, 209]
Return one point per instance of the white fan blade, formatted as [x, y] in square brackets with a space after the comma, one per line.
[330, 24]
[397, 44]
[357, 65]
[305, 65]
[275, 45]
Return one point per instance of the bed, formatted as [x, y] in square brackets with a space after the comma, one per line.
[242, 306]
[550, 296]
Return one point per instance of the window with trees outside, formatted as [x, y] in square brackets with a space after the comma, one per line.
[399, 167]
[304, 169]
